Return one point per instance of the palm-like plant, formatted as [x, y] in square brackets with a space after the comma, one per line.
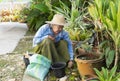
[97, 10]
[112, 24]
[108, 75]
[108, 12]
[74, 15]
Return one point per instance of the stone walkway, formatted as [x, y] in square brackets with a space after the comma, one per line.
[10, 34]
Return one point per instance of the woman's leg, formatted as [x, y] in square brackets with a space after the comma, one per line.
[62, 50]
[48, 49]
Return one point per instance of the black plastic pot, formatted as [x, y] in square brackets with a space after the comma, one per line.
[26, 60]
[59, 69]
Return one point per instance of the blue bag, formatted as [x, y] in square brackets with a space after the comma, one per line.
[38, 67]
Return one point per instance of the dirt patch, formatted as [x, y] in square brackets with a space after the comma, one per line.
[11, 67]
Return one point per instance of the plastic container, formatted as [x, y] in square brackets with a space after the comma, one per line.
[59, 69]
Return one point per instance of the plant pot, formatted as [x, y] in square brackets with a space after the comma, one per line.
[92, 79]
[59, 69]
[86, 63]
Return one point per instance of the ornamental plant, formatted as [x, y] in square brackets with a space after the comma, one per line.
[107, 75]
[107, 15]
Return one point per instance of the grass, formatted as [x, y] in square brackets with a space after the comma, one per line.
[3, 63]
[25, 43]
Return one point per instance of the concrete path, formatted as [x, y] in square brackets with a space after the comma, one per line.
[10, 34]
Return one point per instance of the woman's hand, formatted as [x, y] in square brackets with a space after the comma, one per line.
[70, 64]
[51, 37]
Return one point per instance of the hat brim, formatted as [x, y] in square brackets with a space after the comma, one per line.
[50, 22]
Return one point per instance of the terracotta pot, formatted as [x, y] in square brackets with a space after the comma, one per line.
[86, 63]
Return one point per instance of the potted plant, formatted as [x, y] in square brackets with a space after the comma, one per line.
[108, 12]
[87, 61]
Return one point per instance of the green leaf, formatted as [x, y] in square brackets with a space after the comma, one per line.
[112, 73]
[109, 55]
[100, 75]
[117, 77]
[98, 4]
[74, 14]
[105, 73]
[110, 24]
[118, 17]
[113, 11]
[107, 51]
[93, 12]
[42, 7]
[63, 9]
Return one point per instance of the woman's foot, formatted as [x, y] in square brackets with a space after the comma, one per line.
[26, 55]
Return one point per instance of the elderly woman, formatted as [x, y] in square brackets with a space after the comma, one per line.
[53, 42]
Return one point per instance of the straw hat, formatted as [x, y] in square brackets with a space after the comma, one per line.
[58, 19]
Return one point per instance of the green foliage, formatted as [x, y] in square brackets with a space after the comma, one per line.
[107, 16]
[74, 15]
[109, 56]
[75, 18]
[34, 19]
[78, 35]
[107, 75]
[98, 9]
[74, 35]
[42, 7]
[112, 24]
[39, 11]
[87, 47]
[112, 21]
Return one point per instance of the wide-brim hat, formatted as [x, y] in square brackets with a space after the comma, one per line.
[58, 19]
